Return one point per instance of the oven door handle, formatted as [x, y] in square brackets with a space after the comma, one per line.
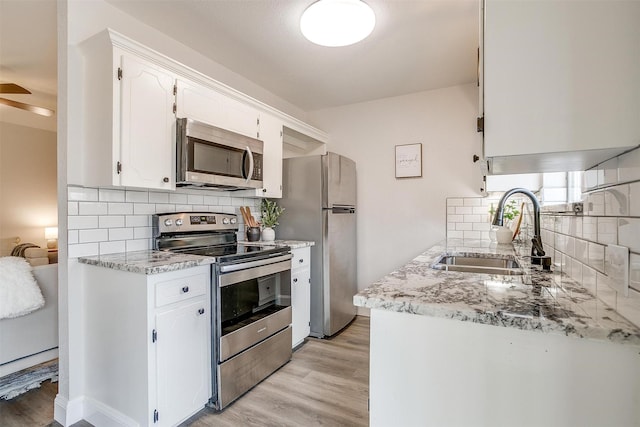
[252, 264]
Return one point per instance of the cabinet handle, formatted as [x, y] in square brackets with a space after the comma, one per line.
[185, 289]
[300, 260]
[264, 190]
[201, 311]
[295, 280]
[165, 179]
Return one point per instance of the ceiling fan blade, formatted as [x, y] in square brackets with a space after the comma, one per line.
[32, 108]
[12, 88]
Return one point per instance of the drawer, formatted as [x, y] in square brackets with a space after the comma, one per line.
[301, 258]
[175, 290]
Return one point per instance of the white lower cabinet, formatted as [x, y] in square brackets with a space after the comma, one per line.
[148, 346]
[300, 294]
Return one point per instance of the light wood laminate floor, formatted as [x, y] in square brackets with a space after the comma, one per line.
[326, 383]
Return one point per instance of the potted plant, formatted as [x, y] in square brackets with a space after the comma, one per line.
[509, 213]
[270, 212]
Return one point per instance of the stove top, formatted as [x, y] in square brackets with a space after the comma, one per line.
[208, 234]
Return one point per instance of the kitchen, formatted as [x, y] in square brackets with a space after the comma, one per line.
[439, 119]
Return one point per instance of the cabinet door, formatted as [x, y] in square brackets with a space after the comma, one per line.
[147, 126]
[201, 103]
[560, 76]
[183, 360]
[271, 133]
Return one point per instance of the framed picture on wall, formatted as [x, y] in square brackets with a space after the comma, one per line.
[409, 161]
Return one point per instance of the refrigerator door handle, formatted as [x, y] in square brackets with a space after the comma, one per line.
[343, 210]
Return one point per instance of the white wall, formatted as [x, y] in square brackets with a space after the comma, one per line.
[400, 218]
[28, 201]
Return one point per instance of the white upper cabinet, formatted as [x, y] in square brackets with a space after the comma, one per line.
[129, 124]
[147, 126]
[271, 129]
[561, 83]
[198, 102]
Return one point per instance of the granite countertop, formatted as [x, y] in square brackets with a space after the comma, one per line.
[147, 262]
[540, 301]
[293, 244]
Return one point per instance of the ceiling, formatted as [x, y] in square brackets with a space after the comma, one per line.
[416, 45]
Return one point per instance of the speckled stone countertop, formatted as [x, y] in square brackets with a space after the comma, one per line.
[546, 302]
[293, 244]
[147, 262]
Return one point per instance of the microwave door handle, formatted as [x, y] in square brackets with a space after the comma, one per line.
[250, 174]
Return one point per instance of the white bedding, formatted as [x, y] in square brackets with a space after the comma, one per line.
[19, 291]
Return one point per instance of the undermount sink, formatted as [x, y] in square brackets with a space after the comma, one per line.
[472, 262]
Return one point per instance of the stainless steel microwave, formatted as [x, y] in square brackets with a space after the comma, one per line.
[214, 157]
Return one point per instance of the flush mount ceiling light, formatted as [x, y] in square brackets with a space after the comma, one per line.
[336, 23]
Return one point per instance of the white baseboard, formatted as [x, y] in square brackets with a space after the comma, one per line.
[99, 414]
[68, 412]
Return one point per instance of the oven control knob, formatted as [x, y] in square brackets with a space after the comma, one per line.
[225, 220]
[178, 222]
[168, 222]
[233, 220]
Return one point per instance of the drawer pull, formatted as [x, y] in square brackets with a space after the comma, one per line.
[261, 330]
[201, 311]
[185, 289]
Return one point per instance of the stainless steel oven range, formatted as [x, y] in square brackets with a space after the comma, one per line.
[250, 298]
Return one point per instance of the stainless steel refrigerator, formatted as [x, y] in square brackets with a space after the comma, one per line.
[319, 197]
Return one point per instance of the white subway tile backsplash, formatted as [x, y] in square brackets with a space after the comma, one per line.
[142, 233]
[455, 218]
[112, 247]
[92, 208]
[107, 195]
[120, 233]
[132, 196]
[629, 233]
[634, 199]
[590, 228]
[464, 210]
[82, 194]
[454, 201]
[196, 199]
[607, 230]
[581, 252]
[184, 208]
[165, 208]
[461, 226]
[111, 221]
[596, 256]
[72, 236]
[210, 200]
[93, 235]
[616, 201]
[453, 234]
[144, 208]
[137, 221]
[116, 208]
[472, 201]
[83, 249]
[594, 205]
[138, 245]
[471, 218]
[470, 234]
[451, 225]
[481, 226]
[576, 270]
[237, 201]
[176, 198]
[616, 267]
[158, 197]
[72, 208]
[82, 222]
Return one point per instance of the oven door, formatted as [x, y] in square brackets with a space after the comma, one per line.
[252, 324]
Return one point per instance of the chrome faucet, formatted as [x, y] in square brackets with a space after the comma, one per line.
[537, 251]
